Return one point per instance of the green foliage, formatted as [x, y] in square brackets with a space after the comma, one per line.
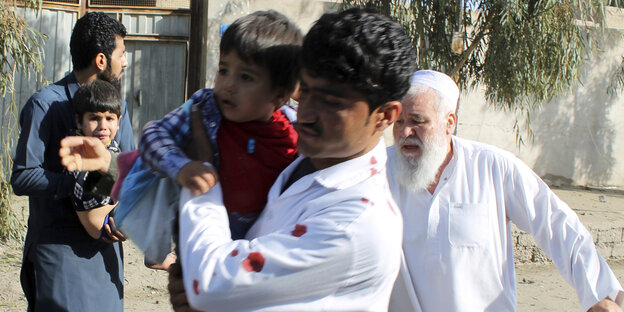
[523, 52]
[21, 50]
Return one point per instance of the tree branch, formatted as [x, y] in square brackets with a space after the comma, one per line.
[473, 45]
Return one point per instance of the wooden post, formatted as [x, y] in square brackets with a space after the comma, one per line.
[196, 46]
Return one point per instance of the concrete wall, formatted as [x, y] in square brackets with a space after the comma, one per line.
[579, 137]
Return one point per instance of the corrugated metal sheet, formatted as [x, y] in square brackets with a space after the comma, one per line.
[155, 82]
[157, 51]
[57, 25]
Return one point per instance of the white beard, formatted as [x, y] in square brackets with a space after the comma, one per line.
[417, 174]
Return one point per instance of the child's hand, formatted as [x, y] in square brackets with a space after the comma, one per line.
[197, 177]
[114, 235]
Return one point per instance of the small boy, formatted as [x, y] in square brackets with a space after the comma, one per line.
[252, 138]
[97, 106]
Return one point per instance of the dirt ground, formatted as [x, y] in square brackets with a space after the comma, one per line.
[540, 287]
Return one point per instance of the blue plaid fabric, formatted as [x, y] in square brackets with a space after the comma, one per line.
[161, 144]
[81, 198]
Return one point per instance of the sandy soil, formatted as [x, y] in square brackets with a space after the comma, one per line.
[540, 287]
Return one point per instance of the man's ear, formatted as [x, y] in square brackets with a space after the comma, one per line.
[100, 62]
[451, 123]
[386, 114]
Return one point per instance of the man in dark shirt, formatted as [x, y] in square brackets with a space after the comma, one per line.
[63, 268]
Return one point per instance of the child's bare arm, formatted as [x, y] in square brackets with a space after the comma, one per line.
[93, 219]
[197, 177]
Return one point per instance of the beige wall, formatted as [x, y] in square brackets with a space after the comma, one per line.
[579, 137]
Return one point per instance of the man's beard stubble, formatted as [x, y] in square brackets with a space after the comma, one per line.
[107, 75]
[417, 174]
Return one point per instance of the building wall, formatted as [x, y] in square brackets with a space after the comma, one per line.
[579, 136]
[154, 82]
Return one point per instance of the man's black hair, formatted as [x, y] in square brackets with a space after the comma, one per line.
[269, 39]
[97, 96]
[364, 49]
[94, 33]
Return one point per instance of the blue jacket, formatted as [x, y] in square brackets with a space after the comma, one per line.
[58, 250]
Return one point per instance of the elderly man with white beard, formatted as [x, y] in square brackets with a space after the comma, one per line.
[458, 199]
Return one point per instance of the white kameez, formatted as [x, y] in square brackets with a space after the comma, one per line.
[458, 242]
[330, 242]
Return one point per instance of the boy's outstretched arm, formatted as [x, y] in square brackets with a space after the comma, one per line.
[93, 220]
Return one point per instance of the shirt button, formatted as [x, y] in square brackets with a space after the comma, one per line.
[213, 124]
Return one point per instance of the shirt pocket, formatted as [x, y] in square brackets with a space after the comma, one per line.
[468, 224]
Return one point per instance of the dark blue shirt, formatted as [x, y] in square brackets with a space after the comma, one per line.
[63, 267]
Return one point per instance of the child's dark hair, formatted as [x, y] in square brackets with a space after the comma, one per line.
[364, 49]
[97, 96]
[94, 33]
[270, 39]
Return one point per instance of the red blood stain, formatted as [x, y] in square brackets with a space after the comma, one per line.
[364, 200]
[391, 208]
[196, 287]
[234, 253]
[253, 262]
[373, 160]
[299, 230]
[374, 171]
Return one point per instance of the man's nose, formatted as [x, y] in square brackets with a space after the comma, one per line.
[305, 110]
[404, 131]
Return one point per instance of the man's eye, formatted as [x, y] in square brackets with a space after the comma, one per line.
[246, 78]
[399, 121]
[329, 102]
[222, 71]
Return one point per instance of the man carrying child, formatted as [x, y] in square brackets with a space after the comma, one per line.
[64, 268]
[330, 235]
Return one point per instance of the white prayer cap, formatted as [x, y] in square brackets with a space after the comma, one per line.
[438, 81]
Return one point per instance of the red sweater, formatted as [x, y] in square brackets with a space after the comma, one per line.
[251, 156]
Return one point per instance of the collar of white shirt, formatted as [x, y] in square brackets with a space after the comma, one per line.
[344, 174]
